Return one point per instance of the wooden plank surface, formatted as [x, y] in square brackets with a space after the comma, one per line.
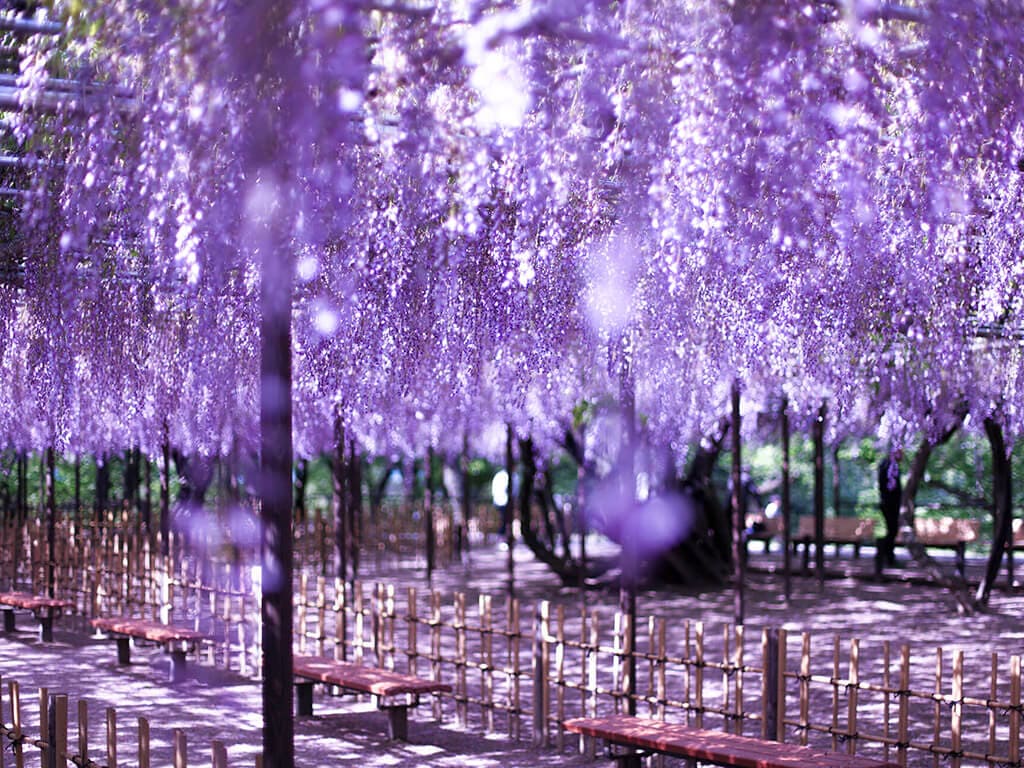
[380, 682]
[713, 746]
[147, 630]
[31, 602]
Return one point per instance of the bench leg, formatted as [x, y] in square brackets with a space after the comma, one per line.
[177, 667]
[8, 619]
[398, 723]
[46, 628]
[961, 559]
[304, 698]
[124, 650]
[628, 760]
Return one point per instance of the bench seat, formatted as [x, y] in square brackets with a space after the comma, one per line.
[945, 533]
[45, 609]
[708, 746]
[383, 684]
[837, 531]
[177, 641]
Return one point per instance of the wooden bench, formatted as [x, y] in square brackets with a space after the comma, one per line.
[761, 528]
[45, 609]
[838, 531]
[394, 692]
[946, 533]
[177, 641]
[653, 736]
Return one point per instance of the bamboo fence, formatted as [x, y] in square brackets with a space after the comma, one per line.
[49, 745]
[523, 670]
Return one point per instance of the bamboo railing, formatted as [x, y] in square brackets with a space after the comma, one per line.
[523, 670]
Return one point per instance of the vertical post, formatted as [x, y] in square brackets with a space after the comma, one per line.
[78, 486]
[787, 510]
[51, 522]
[339, 477]
[276, 478]
[835, 479]
[540, 674]
[112, 738]
[1015, 701]
[508, 515]
[165, 492]
[852, 697]
[819, 496]
[770, 687]
[355, 510]
[903, 710]
[83, 731]
[180, 749]
[736, 503]
[143, 743]
[428, 515]
[956, 710]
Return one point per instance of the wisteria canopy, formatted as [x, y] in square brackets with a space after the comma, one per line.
[498, 211]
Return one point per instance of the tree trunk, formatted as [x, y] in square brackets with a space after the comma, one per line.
[818, 431]
[51, 522]
[299, 504]
[738, 517]
[165, 495]
[430, 539]
[1002, 509]
[953, 582]
[787, 510]
[339, 477]
[102, 486]
[355, 508]
[508, 516]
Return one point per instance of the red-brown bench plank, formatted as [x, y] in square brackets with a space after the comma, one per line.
[46, 609]
[177, 641]
[381, 683]
[711, 746]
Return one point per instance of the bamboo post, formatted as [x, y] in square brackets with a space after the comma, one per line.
[1014, 745]
[220, 755]
[956, 711]
[662, 684]
[687, 667]
[560, 674]
[887, 691]
[45, 725]
[993, 696]
[937, 715]
[321, 612]
[300, 605]
[805, 686]
[412, 655]
[852, 697]
[698, 682]
[357, 630]
[515, 643]
[111, 738]
[340, 618]
[435, 646]
[738, 679]
[769, 682]
[15, 693]
[180, 749]
[904, 706]
[835, 693]
[83, 731]
[461, 662]
[540, 674]
[143, 743]
[487, 662]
